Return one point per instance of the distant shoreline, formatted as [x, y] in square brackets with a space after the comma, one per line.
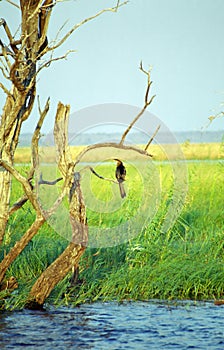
[190, 151]
[84, 139]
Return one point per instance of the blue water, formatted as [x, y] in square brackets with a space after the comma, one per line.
[134, 325]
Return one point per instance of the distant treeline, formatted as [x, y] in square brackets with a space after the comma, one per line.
[137, 138]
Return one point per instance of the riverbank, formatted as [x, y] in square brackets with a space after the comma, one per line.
[186, 262]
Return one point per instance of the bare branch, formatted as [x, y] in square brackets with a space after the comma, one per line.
[25, 183]
[7, 30]
[99, 176]
[9, 35]
[36, 134]
[131, 124]
[61, 138]
[48, 63]
[45, 182]
[12, 3]
[4, 70]
[18, 204]
[5, 52]
[152, 138]
[6, 91]
[110, 144]
[147, 103]
[67, 35]
[35, 155]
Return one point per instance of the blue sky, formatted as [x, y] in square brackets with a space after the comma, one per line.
[181, 39]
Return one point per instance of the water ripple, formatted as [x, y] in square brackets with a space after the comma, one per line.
[137, 325]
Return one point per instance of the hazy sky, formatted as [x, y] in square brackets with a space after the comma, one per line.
[181, 39]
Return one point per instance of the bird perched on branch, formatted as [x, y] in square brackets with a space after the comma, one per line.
[120, 175]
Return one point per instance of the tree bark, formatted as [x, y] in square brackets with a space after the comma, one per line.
[77, 213]
[54, 274]
[5, 185]
[19, 102]
[20, 59]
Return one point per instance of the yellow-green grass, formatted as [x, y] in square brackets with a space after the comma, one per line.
[189, 151]
[184, 262]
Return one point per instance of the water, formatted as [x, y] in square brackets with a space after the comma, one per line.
[137, 325]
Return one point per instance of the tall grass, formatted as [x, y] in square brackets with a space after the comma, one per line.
[184, 262]
[190, 150]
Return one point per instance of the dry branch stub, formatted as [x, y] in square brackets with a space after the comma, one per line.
[112, 220]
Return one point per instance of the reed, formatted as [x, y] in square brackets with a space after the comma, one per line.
[186, 262]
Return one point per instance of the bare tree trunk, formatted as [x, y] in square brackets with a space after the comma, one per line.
[77, 212]
[40, 219]
[8, 143]
[5, 184]
[20, 65]
[68, 259]
[54, 274]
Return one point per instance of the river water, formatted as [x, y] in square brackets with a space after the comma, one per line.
[131, 325]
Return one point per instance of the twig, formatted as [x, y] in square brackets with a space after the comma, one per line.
[12, 3]
[7, 30]
[28, 188]
[4, 69]
[152, 138]
[18, 204]
[47, 64]
[36, 135]
[147, 103]
[99, 176]
[45, 182]
[6, 91]
[4, 53]
[67, 35]
[34, 159]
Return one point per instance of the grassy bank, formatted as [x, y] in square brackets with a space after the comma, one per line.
[185, 262]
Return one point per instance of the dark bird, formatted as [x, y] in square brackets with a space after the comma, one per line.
[120, 175]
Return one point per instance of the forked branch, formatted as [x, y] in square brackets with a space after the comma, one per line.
[148, 101]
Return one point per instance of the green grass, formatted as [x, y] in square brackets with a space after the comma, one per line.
[186, 262]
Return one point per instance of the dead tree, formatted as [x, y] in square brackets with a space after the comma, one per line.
[19, 65]
[19, 60]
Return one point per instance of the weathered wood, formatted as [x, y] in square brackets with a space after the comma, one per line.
[54, 274]
[21, 66]
[77, 212]
[9, 284]
[219, 302]
[20, 100]
[5, 184]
